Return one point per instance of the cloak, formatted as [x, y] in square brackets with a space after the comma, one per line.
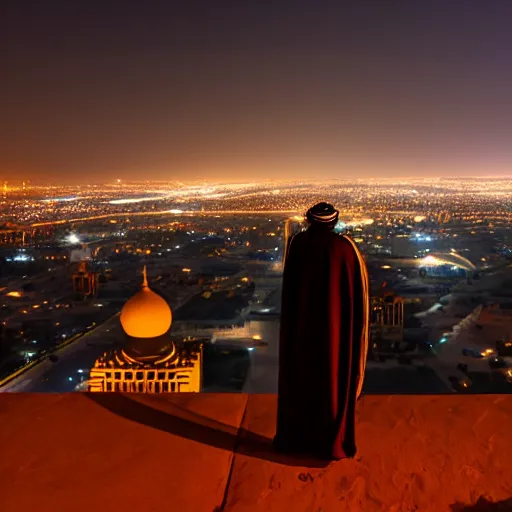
[323, 344]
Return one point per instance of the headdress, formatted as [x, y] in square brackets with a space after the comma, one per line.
[323, 214]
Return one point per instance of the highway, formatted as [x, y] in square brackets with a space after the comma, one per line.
[446, 338]
[164, 212]
[64, 375]
[479, 376]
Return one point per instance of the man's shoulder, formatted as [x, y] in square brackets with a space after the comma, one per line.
[344, 240]
[346, 245]
[341, 243]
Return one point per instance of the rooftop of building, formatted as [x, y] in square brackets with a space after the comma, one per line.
[212, 452]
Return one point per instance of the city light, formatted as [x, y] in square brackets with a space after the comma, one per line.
[453, 259]
[23, 257]
[232, 223]
[430, 260]
[311, 242]
[60, 199]
[72, 238]
[139, 199]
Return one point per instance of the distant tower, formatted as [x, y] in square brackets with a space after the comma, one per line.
[85, 282]
[387, 320]
[291, 228]
[150, 361]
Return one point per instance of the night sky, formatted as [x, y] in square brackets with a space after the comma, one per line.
[241, 90]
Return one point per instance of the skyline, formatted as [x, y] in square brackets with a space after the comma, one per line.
[19, 184]
[187, 92]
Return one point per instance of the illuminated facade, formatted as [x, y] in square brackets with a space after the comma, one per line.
[85, 282]
[445, 264]
[387, 319]
[177, 372]
[388, 311]
[150, 360]
[292, 226]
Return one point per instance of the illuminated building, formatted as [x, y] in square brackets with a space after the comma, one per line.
[387, 320]
[150, 360]
[85, 281]
[388, 311]
[445, 264]
[292, 226]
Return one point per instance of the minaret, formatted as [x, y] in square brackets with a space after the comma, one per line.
[144, 278]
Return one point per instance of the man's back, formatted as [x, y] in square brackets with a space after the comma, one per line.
[323, 317]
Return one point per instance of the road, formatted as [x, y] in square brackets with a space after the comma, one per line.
[177, 213]
[449, 352]
[63, 375]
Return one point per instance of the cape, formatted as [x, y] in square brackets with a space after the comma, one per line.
[323, 344]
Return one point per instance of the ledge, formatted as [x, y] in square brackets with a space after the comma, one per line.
[212, 452]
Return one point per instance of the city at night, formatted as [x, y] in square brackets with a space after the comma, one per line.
[256, 256]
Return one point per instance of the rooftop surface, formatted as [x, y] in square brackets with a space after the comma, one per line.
[211, 452]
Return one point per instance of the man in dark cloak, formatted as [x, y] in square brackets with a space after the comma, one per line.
[323, 340]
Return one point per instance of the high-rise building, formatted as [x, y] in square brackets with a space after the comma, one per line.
[150, 360]
[292, 226]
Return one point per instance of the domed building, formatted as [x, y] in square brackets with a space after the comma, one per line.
[150, 361]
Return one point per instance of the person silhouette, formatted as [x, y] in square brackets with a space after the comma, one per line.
[323, 341]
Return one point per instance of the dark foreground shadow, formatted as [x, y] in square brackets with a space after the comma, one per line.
[484, 505]
[201, 429]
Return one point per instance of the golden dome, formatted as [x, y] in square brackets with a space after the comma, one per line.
[146, 314]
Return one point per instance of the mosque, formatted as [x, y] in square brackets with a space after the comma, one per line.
[151, 361]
